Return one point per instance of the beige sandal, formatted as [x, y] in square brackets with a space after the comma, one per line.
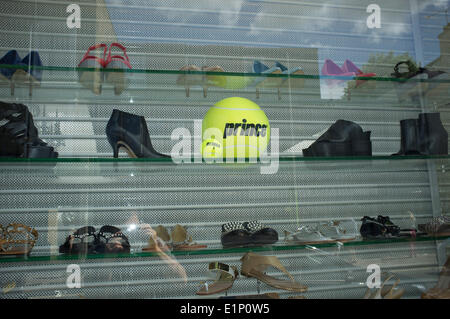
[188, 80]
[159, 241]
[254, 265]
[181, 240]
[224, 276]
[17, 239]
[385, 292]
[212, 80]
[442, 289]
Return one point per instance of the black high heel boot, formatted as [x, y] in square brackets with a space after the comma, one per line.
[433, 138]
[409, 138]
[130, 131]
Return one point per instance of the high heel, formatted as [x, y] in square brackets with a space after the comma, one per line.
[343, 138]
[27, 74]
[117, 62]
[130, 132]
[10, 58]
[188, 80]
[93, 79]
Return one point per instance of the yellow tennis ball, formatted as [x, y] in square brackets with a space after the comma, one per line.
[212, 148]
[239, 125]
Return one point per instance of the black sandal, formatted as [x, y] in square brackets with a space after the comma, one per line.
[383, 227]
[83, 241]
[112, 240]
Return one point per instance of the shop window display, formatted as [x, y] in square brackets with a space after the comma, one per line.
[348, 100]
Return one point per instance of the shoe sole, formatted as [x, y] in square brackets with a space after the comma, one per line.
[92, 80]
[118, 79]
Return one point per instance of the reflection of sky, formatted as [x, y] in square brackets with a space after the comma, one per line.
[338, 28]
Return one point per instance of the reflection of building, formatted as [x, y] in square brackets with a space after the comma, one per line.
[443, 61]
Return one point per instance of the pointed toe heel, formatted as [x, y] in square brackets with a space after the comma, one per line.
[130, 132]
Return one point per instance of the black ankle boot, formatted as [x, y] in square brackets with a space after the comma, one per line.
[18, 135]
[409, 138]
[343, 138]
[130, 131]
[433, 138]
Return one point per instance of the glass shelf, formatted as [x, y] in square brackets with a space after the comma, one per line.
[176, 85]
[193, 160]
[218, 250]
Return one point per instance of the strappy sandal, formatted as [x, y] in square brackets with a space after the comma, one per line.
[93, 79]
[253, 233]
[187, 80]
[181, 240]
[158, 241]
[224, 277]
[83, 241]
[254, 265]
[385, 292]
[442, 288]
[307, 235]
[112, 240]
[391, 292]
[118, 62]
[334, 231]
[17, 239]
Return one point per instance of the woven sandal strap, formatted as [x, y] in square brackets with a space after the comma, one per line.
[230, 226]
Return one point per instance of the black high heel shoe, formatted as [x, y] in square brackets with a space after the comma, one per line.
[130, 132]
[343, 138]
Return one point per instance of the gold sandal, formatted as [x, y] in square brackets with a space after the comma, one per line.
[181, 240]
[158, 241]
[254, 265]
[224, 276]
[10, 245]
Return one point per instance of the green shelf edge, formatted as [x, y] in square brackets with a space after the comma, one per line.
[193, 160]
[215, 251]
[240, 74]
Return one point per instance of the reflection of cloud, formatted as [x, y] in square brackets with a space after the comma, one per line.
[438, 4]
[318, 18]
[259, 18]
[229, 11]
